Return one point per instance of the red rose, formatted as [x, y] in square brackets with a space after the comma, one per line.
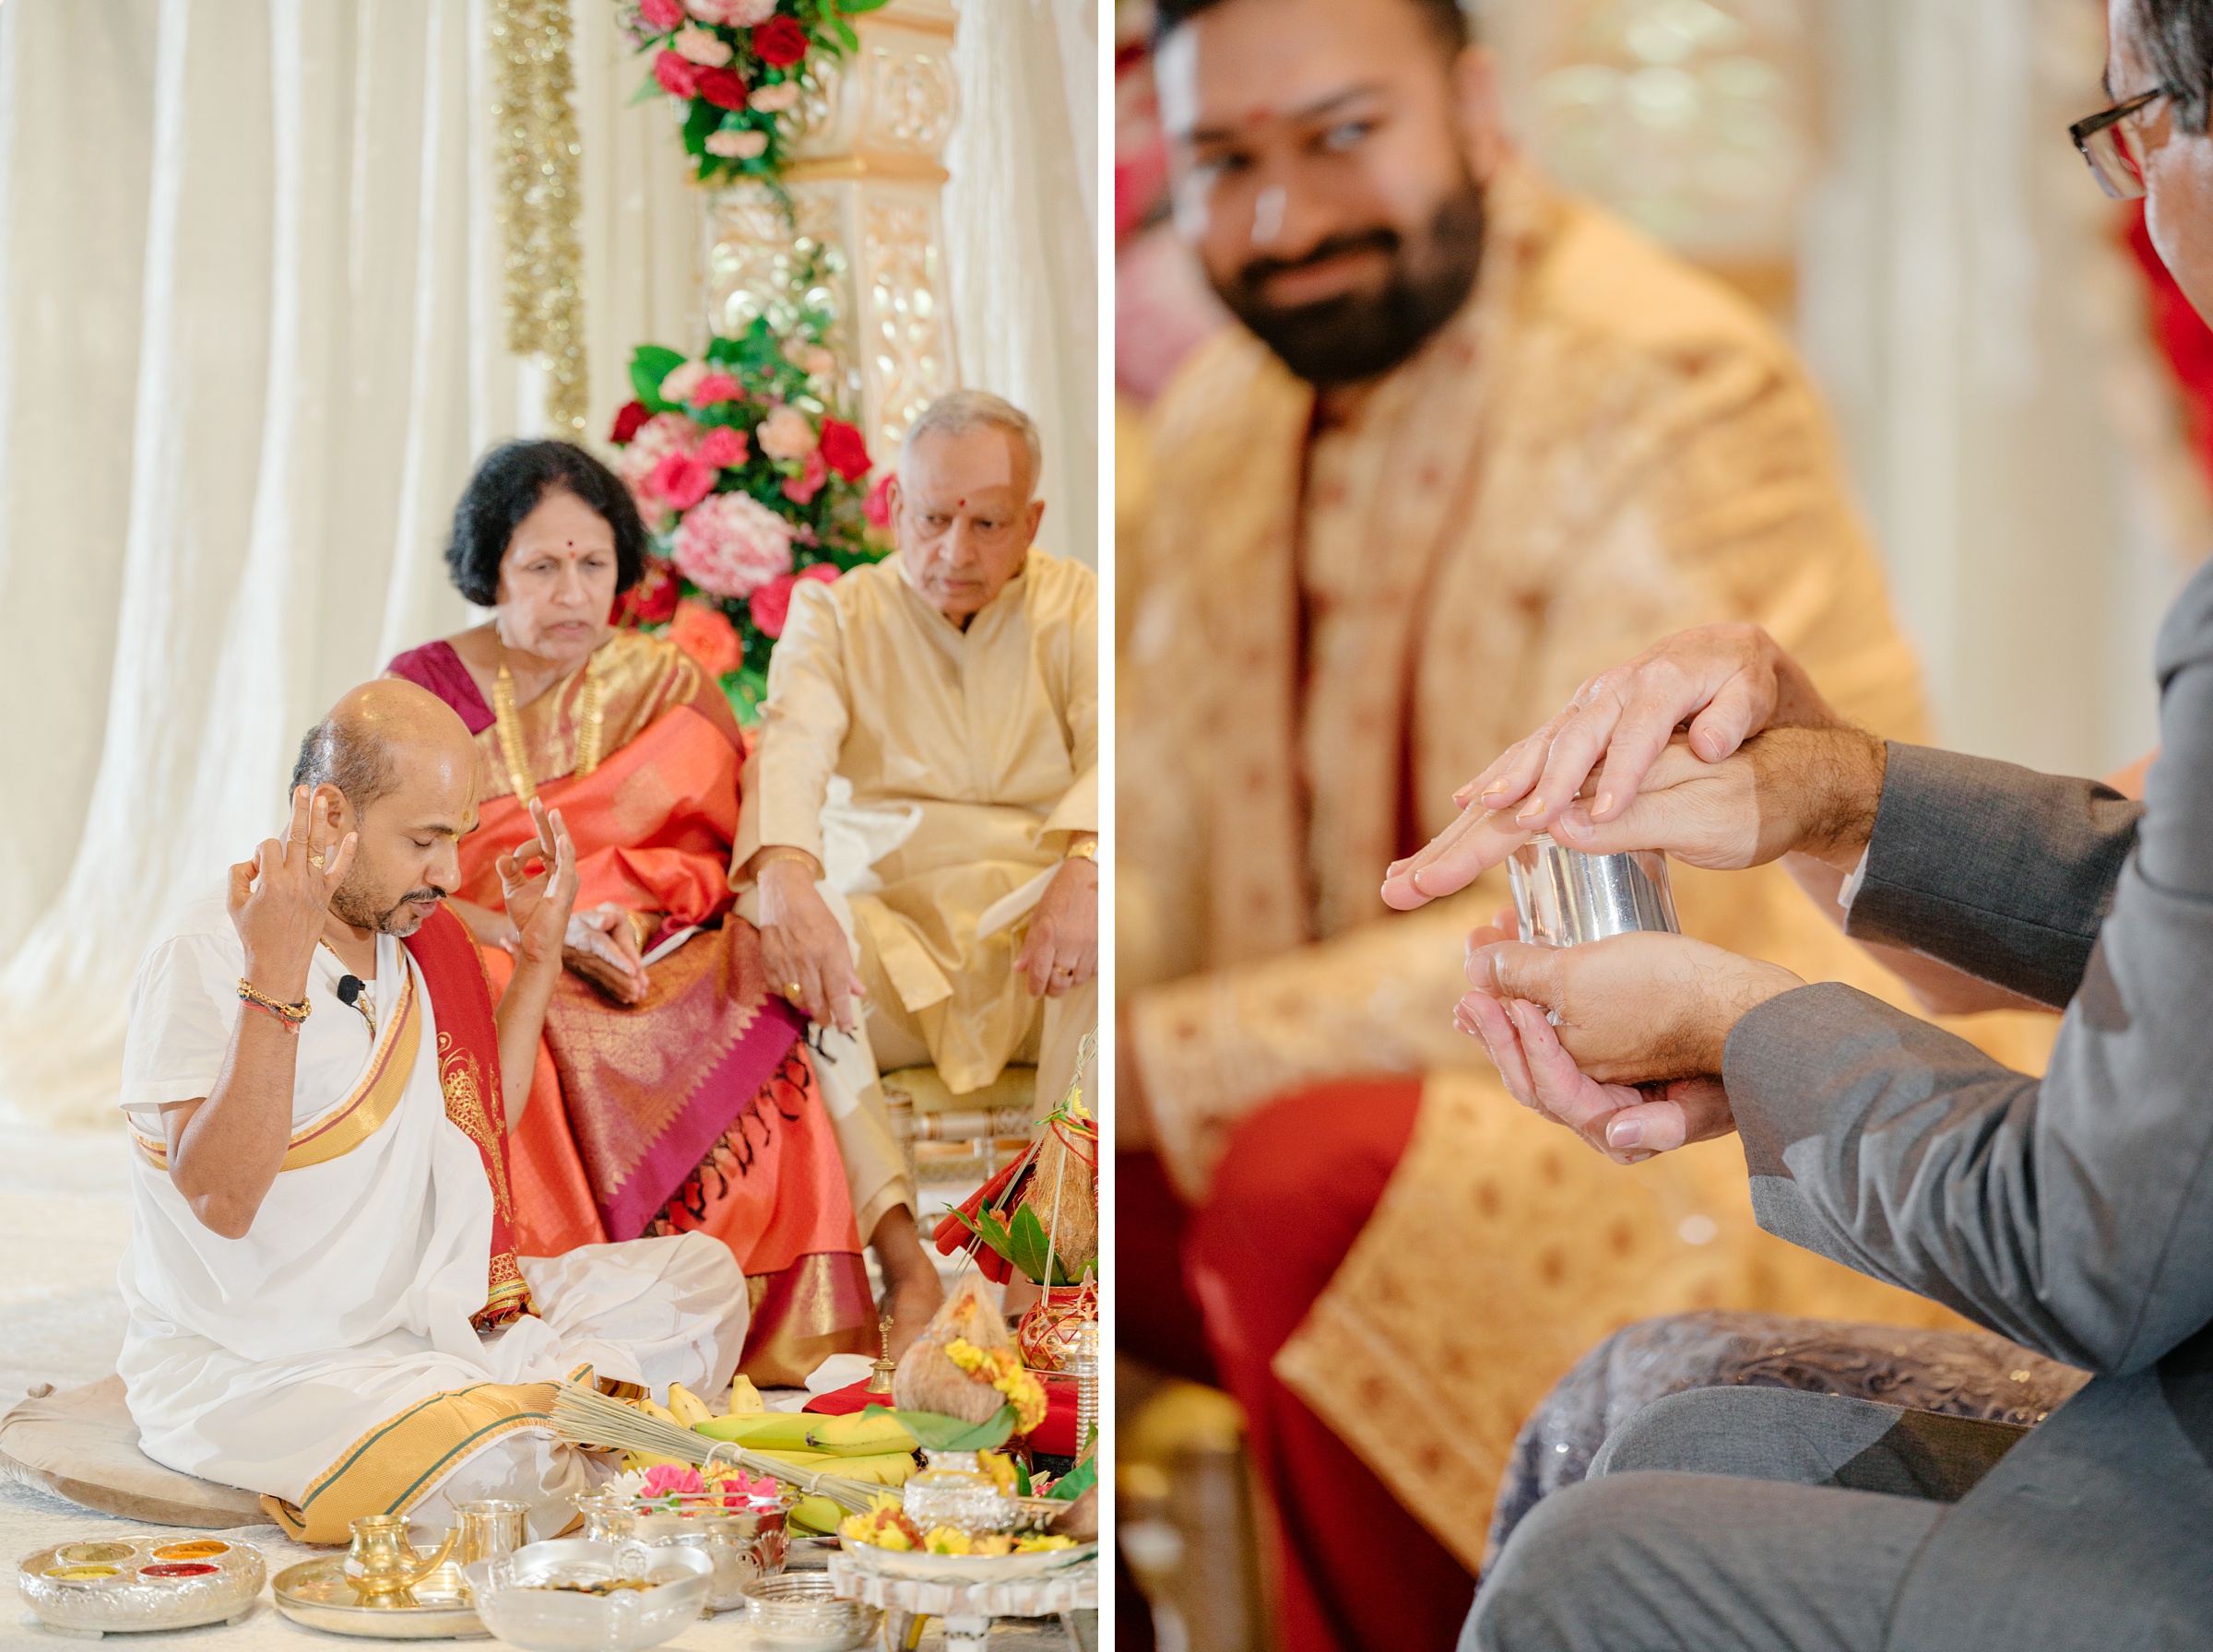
[877, 507]
[628, 417]
[722, 89]
[652, 599]
[845, 449]
[771, 604]
[779, 42]
[678, 76]
[723, 448]
[706, 634]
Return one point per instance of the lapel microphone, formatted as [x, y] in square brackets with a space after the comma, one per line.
[351, 988]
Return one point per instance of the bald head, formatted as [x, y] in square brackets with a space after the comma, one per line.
[394, 764]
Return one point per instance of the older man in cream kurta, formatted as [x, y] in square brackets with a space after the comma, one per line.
[969, 703]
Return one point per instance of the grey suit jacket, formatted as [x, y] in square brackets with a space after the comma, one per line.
[2074, 1214]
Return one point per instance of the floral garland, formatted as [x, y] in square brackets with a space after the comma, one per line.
[735, 68]
[747, 486]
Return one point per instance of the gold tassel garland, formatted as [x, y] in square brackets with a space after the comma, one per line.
[536, 152]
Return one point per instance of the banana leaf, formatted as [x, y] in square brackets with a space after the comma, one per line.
[933, 1431]
[1076, 1481]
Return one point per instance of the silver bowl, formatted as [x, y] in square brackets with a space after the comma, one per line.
[1565, 898]
[518, 1608]
[123, 1584]
[800, 1612]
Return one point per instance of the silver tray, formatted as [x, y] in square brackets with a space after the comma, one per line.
[121, 1599]
[316, 1593]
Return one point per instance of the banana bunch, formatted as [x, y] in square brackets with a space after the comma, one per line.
[875, 1449]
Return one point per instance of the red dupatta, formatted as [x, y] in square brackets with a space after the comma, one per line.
[468, 1076]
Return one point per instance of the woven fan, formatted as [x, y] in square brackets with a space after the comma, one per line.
[584, 1416]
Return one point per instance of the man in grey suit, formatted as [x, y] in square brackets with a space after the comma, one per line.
[2073, 1214]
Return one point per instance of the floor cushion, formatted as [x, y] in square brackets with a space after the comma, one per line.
[81, 1445]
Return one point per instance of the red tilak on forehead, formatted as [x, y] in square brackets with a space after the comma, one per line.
[964, 504]
[1258, 115]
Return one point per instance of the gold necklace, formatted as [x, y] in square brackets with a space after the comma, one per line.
[511, 750]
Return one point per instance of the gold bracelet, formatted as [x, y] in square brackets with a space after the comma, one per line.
[1083, 852]
[292, 1015]
[769, 857]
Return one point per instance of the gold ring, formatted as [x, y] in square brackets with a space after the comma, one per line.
[315, 861]
[794, 990]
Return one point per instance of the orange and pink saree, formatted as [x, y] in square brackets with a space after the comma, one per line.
[697, 1108]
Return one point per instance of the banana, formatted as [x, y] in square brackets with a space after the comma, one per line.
[860, 1435]
[817, 1514]
[648, 1460]
[745, 1399]
[659, 1412]
[891, 1468]
[782, 1431]
[686, 1407]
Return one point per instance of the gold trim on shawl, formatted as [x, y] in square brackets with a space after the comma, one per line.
[627, 681]
[404, 1458]
[373, 1100]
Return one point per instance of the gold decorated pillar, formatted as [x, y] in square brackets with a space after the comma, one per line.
[865, 183]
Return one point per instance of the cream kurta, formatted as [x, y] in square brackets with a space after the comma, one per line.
[327, 1358]
[989, 735]
[1601, 448]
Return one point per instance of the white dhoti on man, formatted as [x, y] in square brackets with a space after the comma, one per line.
[342, 1357]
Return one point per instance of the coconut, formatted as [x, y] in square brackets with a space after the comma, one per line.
[928, 1380]
[1064, 1195]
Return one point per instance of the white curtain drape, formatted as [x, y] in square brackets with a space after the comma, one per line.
[250, 345]
[1022, 235]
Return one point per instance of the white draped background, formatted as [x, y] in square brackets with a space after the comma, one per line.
[249, 344]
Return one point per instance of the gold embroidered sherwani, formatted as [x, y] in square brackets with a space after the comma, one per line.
[1603, 447]
[990, 735]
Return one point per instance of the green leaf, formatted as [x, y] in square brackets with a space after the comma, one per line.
[646, 93]
[649, 364]
[853, 8]
[1030, 1244]
[1075, 1482]
[933, 1431]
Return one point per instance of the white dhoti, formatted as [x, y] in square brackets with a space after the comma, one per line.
[327, 1359]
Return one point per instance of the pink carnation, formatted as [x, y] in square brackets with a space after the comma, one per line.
[731, 545]
[663, 434]
[674, 75]
[708, 50]
[681, 482]
[663, 1478]
[663, 15]
[802, 487]
[740, 144]
[679, 382]
[771, 604]
[775, 97]
[738, 14]
[723, 448]
[786, 434]
[715, 387]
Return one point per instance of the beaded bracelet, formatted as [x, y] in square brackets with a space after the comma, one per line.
[290, 1015]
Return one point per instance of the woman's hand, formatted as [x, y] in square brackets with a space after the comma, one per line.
[279, 901]
[602, 947]
[808, 959]
[539, 903]
[1061, 950]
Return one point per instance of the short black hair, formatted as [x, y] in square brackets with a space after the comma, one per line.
[509, 482]
[340, 752]
[2178, 35]
[1448, 19]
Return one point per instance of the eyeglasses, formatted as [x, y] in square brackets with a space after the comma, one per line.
[2114, 148]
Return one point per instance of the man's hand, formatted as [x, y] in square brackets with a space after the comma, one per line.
[1061, 950]
[538, 903]
[810, 961]
[280, 900]
[1792, 790]
[1727, 682]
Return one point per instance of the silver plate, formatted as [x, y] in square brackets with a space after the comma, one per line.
[129, 1603]
[316, 1593]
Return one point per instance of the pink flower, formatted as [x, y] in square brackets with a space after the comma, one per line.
[877, 507]
[706, 634]
[723, 448]
[738, 14]
[786, 434]
[654, 441]
[701, 46]
[663, 15]
[682, 381]
[845, 449]
[675, 76]
[740, 144]
[715, 387]
[681, 482]
[775, 99]
[802, 487]
[771, 604]
[731, 545]
[665, 1477]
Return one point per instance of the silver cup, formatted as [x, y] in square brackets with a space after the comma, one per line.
[1565, 897]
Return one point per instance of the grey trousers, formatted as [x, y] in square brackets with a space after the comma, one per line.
[1757, 1518]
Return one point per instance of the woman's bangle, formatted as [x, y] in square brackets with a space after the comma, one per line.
[769, 857]
[292, 1015]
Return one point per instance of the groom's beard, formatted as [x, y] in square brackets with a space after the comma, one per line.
[357, 904]
[1357, 336]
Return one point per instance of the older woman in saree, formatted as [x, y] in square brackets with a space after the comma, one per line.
[677, 1094]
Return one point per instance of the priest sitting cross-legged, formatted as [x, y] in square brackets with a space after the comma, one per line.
[956, 681]
[325, 1306]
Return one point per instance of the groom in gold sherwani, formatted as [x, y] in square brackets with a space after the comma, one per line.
[1473, 444]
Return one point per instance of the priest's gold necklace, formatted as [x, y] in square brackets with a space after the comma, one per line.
[515, 754]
